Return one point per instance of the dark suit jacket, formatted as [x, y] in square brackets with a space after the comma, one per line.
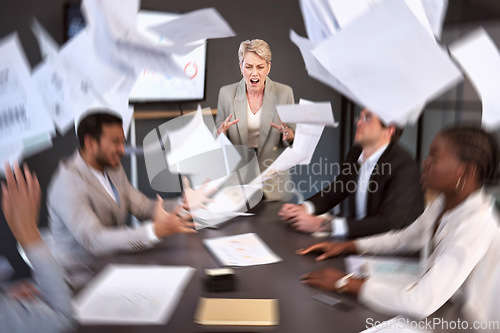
[396, 203]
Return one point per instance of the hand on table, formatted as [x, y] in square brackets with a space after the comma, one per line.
[289, 211]
[329, 249]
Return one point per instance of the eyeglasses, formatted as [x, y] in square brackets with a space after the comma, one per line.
[366, 118]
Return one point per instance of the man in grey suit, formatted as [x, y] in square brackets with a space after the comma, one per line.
[46, 307]
[89, 200]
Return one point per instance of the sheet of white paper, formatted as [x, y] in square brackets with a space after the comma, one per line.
[10, 152]
[191, 140]
[35, 144]
[116, 101]
[435, 11]
[205, 219]
[62, 92]
[315, 69]
[347, 12]
[132, 294]
[318, 18]
[194, 26]
[390, 71]
[16, 151]
[120, 16]
[126, 48]
[22, 111]
[48, 46]
[306, 140]
[229, 202]
[478, 55]
[241, 250]
[399, 271]
[80, 56]
[319, 113]
[287, 159]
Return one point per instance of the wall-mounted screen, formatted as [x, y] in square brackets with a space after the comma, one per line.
[153, 86]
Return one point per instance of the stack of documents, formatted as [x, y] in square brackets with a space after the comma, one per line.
[132, 294]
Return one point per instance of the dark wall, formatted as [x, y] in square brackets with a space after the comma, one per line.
[268, 20]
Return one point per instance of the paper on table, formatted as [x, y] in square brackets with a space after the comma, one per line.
[307, 113]
[22, 112]
[315, 69]
[194, 26]
[395, 270]
[132, 294]
[477, 54]
[390, 71]
[241, 250]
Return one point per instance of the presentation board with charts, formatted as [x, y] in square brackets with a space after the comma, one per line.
[152, 86]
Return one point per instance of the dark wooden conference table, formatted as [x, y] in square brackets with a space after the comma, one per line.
[299, 312]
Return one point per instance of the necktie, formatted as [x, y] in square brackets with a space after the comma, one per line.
[115, 192]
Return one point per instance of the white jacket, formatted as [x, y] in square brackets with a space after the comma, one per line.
[463, 263]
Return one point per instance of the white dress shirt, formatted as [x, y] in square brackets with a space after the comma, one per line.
[339, 224]
[463, 261]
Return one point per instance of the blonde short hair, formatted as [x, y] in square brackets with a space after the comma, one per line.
[255, 45]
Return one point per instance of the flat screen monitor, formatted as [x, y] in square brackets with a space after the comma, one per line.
[153, 86]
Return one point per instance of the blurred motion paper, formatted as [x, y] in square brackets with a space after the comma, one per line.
[132, 294]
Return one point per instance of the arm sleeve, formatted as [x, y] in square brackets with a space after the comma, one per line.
[407, 240]
[400, 193]
[51, 313]
[221, 115]
[449, 270]
[75, 210]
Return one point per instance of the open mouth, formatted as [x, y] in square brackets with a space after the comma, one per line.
[254, 81]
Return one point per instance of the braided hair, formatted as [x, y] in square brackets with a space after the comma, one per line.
[475, 145]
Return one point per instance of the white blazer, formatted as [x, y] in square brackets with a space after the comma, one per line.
[463, 262]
